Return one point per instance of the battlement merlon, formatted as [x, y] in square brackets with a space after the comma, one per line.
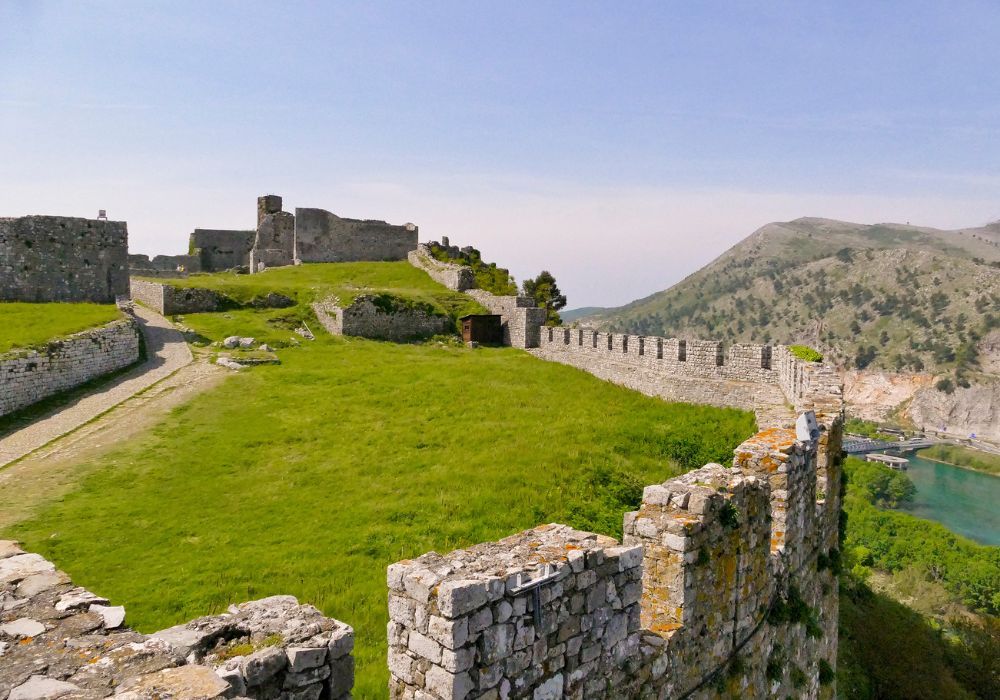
[551, 608]
[709, 554]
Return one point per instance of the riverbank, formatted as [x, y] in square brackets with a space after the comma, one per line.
[963, 458]
[963, 500]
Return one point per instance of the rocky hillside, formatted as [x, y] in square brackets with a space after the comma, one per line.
[888, 296]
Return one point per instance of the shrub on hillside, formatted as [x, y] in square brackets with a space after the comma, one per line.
[489, 277]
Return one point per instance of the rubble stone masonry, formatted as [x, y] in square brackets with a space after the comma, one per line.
[59, 640]
[363, 318]
[28, 376]
[748, 376]
[455, 277]
[61, 258]
[693, 604]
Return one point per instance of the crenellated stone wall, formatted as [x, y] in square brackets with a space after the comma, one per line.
[766, 379]
[28, 376]
[61, 258]
[382, 317]
[808, 385]
[720, 590]
[59, 640]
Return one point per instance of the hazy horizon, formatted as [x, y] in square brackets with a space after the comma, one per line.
[619, 147]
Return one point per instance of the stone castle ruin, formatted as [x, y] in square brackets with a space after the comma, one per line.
[62, 258]
[723, 585]
[282, 238]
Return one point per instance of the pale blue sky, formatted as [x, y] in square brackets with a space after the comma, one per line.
[620, 145]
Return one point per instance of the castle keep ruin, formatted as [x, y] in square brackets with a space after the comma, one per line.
[282, 238]
[62, 258]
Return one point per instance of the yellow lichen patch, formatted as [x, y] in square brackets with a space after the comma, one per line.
[665, 627]
[729, 568]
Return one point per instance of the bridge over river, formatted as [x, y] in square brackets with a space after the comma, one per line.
[858, 444]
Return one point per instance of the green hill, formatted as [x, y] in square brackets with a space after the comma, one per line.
[885, 296]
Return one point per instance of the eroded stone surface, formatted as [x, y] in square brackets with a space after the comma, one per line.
[58, 640]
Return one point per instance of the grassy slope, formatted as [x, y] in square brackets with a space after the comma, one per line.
[31, 325]
[310, 282]
[963, 457]
[736, 298]
[354, 454]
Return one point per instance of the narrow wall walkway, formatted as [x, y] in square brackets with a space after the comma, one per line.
[166, 352]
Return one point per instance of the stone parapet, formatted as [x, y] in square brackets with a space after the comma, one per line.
[808, 385]
[706, 359]
[549, 613]
[766, 379]
[718, 590]
[28, 376]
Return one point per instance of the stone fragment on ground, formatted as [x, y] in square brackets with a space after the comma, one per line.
[58, 640]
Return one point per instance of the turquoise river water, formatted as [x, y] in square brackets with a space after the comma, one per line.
[962, 500]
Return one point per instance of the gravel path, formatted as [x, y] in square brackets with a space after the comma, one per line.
[166, 353]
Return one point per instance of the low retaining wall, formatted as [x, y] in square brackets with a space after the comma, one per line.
[365, 318]
[28, 376]
[167, 300]
[60, 640]
[452, 276]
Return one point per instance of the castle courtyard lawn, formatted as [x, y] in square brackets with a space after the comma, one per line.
[24, 325]
[309, 478]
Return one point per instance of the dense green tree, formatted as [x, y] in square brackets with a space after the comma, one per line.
[545, 293]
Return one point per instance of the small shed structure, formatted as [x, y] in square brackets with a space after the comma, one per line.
[485, 329]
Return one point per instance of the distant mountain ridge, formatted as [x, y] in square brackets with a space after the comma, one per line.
[888, 296]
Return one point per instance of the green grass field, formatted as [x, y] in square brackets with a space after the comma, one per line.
[311, 282]
[963, 457]
[311, 477]
[32, 325]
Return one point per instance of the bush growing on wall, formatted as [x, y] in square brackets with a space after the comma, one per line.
[804, 352]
